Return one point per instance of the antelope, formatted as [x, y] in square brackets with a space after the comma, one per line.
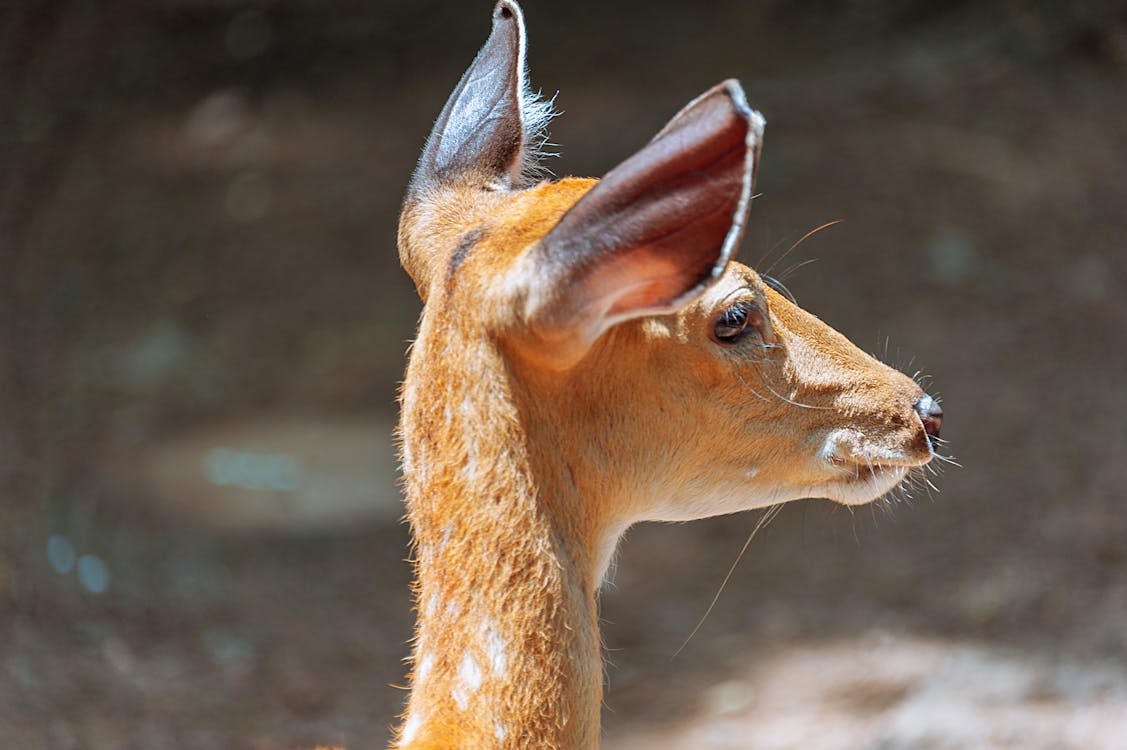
[588, 357]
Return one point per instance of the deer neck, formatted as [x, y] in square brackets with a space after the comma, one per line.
[507, 649]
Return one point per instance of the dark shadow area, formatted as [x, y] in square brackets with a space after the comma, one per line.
[203, 323]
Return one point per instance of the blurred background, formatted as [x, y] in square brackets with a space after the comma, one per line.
[203, 322]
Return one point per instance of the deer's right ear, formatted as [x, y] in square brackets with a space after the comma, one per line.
[650, 236]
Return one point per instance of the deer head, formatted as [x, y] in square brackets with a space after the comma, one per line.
[635, 345]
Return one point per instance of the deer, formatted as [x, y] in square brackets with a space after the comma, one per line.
[589, 356]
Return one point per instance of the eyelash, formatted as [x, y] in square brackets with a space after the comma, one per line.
[735, 321]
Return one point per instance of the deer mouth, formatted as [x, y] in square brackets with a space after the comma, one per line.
[860, 472]
[861, 482]
[868, 471]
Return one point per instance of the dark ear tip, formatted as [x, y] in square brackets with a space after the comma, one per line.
[724, 102]
[506, 10]
[735, 92]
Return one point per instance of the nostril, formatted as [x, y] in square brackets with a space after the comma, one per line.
[931, 415]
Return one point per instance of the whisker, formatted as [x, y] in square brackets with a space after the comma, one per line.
[891, 510]
[779, 287]
[792, 402]
[781, 397]
[763, 259]
[801, 239]
[765, 519]
[794, 267]
[753, 391]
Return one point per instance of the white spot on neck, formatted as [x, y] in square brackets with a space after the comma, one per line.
[469, 416]
[469, 471]
[495, 649]
[499, 731]
[469, 673]
[413, 467]
[424, 663]
[408, 466]
[410, 729]
[469, 680]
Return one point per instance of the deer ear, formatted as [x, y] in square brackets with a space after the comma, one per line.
[649, 237]
[481, 135]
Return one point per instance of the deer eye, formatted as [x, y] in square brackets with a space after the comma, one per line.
[736, 321]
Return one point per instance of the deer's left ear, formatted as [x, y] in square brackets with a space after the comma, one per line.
[485, 138]
[481, 134]
[649, 237]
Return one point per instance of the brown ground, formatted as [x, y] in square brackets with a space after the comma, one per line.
[201, 259]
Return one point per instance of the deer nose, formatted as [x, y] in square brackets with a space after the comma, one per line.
[932, 417]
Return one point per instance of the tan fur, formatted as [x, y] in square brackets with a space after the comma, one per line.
[520, 479]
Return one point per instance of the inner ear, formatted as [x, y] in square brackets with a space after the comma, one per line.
[487, 131]
[652, 235]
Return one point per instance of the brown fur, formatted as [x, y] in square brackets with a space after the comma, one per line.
[520, 479]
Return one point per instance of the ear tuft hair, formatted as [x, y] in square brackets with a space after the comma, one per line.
[536, 112]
